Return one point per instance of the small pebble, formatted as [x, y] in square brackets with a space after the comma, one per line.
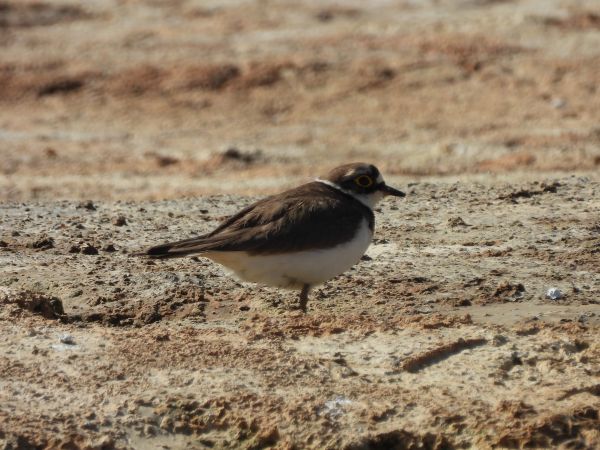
[558, 103]
[109, 248]
[166, 423]
[457, 222]
[42, 242]
[554, 294]
[67, 339]
[89, 205]
[89, 249]
[119, 221]
[76, 293]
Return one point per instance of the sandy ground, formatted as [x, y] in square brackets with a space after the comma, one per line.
[125, 123]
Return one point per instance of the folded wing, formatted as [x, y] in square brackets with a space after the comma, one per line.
[306, 218]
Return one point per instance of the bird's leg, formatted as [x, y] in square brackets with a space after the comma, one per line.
[304, 297]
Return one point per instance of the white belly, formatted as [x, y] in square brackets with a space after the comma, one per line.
[292, 270]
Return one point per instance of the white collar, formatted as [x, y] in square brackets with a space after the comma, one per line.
[369, 200]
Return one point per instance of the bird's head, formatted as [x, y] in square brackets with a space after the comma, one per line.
[362, 181]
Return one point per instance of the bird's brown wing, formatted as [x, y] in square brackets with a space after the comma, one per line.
[309, 217]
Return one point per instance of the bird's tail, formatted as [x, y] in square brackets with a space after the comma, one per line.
[176, 249]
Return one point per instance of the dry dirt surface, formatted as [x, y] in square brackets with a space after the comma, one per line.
[126, 123]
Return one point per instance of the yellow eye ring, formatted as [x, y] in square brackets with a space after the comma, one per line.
[364, 181]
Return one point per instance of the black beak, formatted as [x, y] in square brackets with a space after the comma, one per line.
[391, 191]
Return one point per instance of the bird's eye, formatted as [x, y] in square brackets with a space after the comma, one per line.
[364, 181]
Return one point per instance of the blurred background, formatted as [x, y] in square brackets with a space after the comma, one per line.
[152, 99]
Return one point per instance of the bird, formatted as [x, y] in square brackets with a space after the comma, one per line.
[299, 238]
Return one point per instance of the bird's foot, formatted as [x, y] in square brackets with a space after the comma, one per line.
[300, 307]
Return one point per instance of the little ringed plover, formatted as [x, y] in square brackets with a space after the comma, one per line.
[299, 238]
